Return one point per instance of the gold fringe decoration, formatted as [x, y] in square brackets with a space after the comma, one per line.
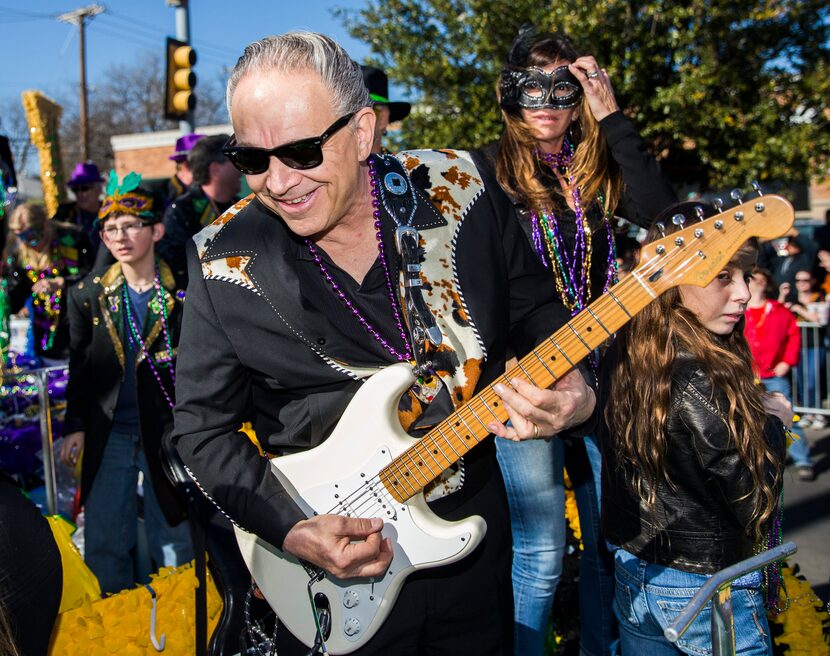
[571, 510]
[43, 115]
[805, 623]
[120, 624]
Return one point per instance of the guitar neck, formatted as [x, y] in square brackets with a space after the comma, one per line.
[450, 440]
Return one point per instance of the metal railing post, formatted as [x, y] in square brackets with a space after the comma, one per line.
[720, 586]
[49, 478]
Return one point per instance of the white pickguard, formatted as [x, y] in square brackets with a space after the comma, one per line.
[336, 478]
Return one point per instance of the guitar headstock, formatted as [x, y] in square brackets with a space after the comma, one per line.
[697, 253]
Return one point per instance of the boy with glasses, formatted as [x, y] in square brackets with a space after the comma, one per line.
[124, 330]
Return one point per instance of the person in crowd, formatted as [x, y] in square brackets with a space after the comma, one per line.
[294, 296]
[386, 111]
[87, 185]
[822, 234]
[42, 258]
[183, 178]
[775, 343]
[215, 187]
[806, 305]
[798, 255]
[693, 454]
[569, 161]
[124, 329]
[31, 576]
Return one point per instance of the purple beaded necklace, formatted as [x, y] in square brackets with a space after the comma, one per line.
[396, 313]
[571, 271]
[134, 335]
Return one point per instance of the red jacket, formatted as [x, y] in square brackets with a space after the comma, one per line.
[773, 337]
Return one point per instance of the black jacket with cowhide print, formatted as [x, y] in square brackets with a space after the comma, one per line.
[96, 373]
[255, 348]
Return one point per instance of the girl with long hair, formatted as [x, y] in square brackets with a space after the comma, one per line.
[692, 463]
[570, 162]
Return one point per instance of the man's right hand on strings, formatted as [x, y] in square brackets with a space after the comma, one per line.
[345, 547]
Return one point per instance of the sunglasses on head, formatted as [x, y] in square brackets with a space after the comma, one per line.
[302, 154]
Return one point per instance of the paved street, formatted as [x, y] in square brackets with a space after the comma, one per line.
[807, 516]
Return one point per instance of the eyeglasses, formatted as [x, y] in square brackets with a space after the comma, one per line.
[131, 230]
[302, 154]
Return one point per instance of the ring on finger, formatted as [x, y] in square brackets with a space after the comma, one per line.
[593, 74]
[535, 430]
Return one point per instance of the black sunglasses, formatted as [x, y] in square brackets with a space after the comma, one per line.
[302, 154]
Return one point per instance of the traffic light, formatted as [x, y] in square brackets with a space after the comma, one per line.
[179, 99]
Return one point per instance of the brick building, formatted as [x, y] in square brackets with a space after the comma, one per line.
[147, 152]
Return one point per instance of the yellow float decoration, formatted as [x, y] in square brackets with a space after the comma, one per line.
[43, 115]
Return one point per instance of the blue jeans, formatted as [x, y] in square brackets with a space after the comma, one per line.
[799, 450]
[533, 473]
[111, 518]
[598, 635]
[649, 597]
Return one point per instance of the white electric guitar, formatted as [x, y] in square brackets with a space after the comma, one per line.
[369, 467]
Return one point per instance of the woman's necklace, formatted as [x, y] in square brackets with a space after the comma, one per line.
[571, 271]
[47, 305]
[406, 355]
[137, 342]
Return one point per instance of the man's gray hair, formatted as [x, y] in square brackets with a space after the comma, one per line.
[298, 51]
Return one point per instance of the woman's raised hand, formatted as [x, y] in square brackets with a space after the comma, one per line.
[597, 86]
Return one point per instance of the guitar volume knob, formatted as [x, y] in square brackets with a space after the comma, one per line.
[352, 626]
[351, 599]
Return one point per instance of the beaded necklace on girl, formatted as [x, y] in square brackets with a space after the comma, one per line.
[571, 270]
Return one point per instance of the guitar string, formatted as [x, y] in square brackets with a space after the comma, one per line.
[364, 497]
[357, 501]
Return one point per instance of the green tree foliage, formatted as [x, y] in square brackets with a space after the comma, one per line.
[723, 91]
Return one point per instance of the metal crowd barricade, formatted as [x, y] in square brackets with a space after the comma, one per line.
[813, 366]
[41, 381]
[719, 589]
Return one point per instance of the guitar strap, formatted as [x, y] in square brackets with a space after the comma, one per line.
[448, 351]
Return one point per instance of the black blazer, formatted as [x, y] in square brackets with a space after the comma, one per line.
[96, 373]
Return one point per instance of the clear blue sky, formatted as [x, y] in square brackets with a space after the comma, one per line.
[39, 52]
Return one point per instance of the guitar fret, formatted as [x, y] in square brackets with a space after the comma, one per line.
[579, 337]
[525, 372]
[478, 419]
[472, 432]
[565, 355]
[400, 478]
[449, 443]
[490, 410]
[431, 455]
[611, 294]
[555, 377]
[601, 325]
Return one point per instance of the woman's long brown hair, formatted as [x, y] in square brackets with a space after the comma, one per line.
[640, 391]
[517, 166]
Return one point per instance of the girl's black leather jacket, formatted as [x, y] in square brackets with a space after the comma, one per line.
[699, 522]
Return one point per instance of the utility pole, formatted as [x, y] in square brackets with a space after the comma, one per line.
[79, 18]
[183, 34]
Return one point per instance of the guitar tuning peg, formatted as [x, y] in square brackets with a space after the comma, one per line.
[678, 220]
[699, 213]
[737, 195]
[757, 187]
[718, 204]
[661, 228]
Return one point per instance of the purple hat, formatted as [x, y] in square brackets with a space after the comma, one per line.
[184, 145]
[84, 173]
